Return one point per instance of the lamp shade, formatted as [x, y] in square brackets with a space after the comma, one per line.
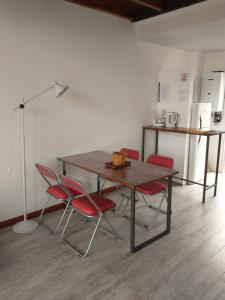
[59, 89]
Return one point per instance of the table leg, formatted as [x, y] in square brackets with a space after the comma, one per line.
[64, 168]
[159, 235]
[169, 202]
[217, 163]
[98, 184]
[132, 221]
[143, 144]
[206, 169]
[156, 141]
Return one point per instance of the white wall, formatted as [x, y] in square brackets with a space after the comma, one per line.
[215, 61]
[163, 58]
[113, 83]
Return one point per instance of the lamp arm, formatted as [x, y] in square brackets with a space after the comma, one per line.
[32, 98]
[38, 95]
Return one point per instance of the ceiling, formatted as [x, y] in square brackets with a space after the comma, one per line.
[135, 10]
[200, 28]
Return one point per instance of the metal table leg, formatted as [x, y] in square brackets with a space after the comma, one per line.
[98, 184]
[132, 221]
[156, 141]
[206, 168]
[217, 163]
[143, 145]
[64, 168]
[155, 238]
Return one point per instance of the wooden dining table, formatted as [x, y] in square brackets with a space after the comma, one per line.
[130, 176]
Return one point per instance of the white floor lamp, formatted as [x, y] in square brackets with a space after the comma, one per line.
[26, 226]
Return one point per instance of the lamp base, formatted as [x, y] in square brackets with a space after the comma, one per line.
[25, 226]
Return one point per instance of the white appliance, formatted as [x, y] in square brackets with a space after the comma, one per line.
[213, 84]
[200, 119]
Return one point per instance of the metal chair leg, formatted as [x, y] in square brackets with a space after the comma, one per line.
[92, 238]
[158, 211]
[39, 219]
[62, 217]
[121, 203]
[125, 206]
[80, 252]
[128, 217]
[114, 232]
[52, 231]
[67, 222]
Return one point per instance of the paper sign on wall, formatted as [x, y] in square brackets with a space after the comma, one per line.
[164, 93]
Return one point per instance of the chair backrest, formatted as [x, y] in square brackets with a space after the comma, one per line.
[161, 161]
[133, 154]
[46, 173]
[71, 184]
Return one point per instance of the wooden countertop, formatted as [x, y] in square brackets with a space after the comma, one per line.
[184, 130]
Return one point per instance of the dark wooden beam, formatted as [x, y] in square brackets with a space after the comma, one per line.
[102, 8]
[176, 4]
[153, 4]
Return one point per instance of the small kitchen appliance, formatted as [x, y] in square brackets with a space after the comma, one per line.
[172, 119]
[159, 118]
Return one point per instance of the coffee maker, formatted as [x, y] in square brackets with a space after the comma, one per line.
[172, 119]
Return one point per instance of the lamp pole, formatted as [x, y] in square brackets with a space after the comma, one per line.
[26, 226]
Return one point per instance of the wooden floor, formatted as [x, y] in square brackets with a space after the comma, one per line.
[189, 263]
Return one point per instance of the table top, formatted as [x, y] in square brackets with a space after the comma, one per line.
[137, 173]
[185, 130]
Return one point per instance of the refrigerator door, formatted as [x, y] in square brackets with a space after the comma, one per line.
[201, 117]
[196, 165]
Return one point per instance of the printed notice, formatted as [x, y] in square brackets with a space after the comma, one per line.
[164, 93]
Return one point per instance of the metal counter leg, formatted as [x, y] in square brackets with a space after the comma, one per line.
[206, 169]
[169, 203]
[143, 145]
[217, 164]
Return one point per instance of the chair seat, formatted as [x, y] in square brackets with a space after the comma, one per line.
[84, 205]
[151, 188]
[57, 192]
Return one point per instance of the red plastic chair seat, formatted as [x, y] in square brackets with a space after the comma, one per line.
[57, 192]
[84, 205]
[151, 188]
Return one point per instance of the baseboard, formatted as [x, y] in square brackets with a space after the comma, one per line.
[31, 215]
[35, 214]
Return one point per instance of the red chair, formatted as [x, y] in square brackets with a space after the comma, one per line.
[133, 154]
[54, 190]
[156, 187]
[88, 206]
